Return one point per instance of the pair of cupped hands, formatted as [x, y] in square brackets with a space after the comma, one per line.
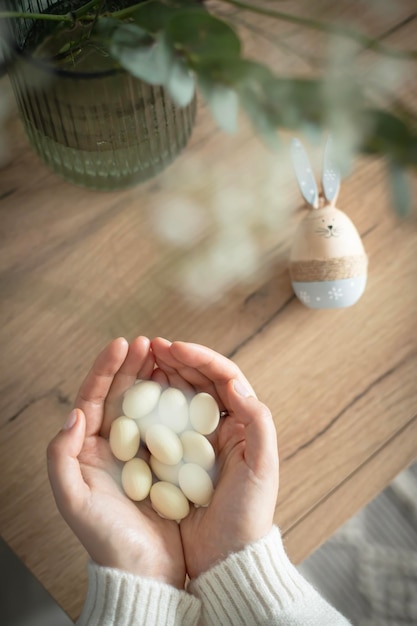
[131, 536]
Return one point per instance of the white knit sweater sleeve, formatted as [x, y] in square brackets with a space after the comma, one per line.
[259, 586]
[116, 598]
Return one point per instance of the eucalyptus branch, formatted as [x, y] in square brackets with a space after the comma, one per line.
[122, 13]
[99, 5]
[36, 16]
[86, 7]
[342, 31]
[53, 17]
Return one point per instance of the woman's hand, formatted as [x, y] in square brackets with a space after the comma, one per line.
[85, 477]
[246, 489]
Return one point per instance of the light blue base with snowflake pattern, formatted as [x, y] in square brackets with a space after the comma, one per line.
[330, 294]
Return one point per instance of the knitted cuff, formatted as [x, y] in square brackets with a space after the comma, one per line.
[117, 597]
[252, 586]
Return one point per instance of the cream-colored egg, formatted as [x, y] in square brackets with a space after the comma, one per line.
[173, 409]
[169, 501]
[141, 399]
[325, 233]
[204, 413]
[164, 444]
[167, 473]
[124, 438]
[144, 423]
[197, 449]
[136, 479]
[195, 483]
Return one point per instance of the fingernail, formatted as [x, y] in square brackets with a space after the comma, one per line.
[241, 389]
[71, 419]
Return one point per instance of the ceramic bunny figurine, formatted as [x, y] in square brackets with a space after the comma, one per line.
[328, 263]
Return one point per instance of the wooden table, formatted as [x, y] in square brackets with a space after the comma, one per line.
[80, 267]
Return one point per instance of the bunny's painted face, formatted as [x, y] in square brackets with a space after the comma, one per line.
[324, 233]
[328, 222]
[329, 227]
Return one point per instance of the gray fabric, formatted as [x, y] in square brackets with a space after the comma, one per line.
[368, 569]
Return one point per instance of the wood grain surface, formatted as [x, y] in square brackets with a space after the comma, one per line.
[200, 253]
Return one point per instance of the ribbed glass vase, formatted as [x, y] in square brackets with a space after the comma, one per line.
[92, 123]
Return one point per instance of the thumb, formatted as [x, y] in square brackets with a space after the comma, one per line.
[68, 486]
[261, 450]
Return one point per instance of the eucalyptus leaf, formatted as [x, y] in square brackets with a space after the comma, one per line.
[149, 62]
[400, 188]
[181, 83]
[289, 103]
[260, 118]
[385, 133]
[202, 36]
[234, 71]
[247, 79]
[154, 16]
[295, 103]
[129, 36]
[176, 43]
[104, 27]
[223, 103]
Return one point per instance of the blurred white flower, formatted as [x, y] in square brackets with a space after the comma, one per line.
[219, 216]
[180, 221]
[228, 260]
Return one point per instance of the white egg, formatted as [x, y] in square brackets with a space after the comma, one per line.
[124, 438]
[141, 399]
[136, 479]
[173, 409]
[164, 444]
[169, 501]
[168, 473]
[197, 449]
[195, 483]
[204, 413]
[179, 458]
[144, 423]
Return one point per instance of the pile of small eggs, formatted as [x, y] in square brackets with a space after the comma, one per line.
[173, 428]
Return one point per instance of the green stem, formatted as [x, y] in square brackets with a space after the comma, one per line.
[99, 5]
[350, 33]
[51, 16]
[84, 9]
[79, 13]
[122, 13]
[36, 16]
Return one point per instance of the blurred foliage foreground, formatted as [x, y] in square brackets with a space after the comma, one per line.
[185, 44]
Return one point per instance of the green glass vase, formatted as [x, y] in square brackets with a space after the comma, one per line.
[92, 123]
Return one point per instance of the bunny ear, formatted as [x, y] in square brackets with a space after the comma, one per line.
[331, 174]
[304, 173]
